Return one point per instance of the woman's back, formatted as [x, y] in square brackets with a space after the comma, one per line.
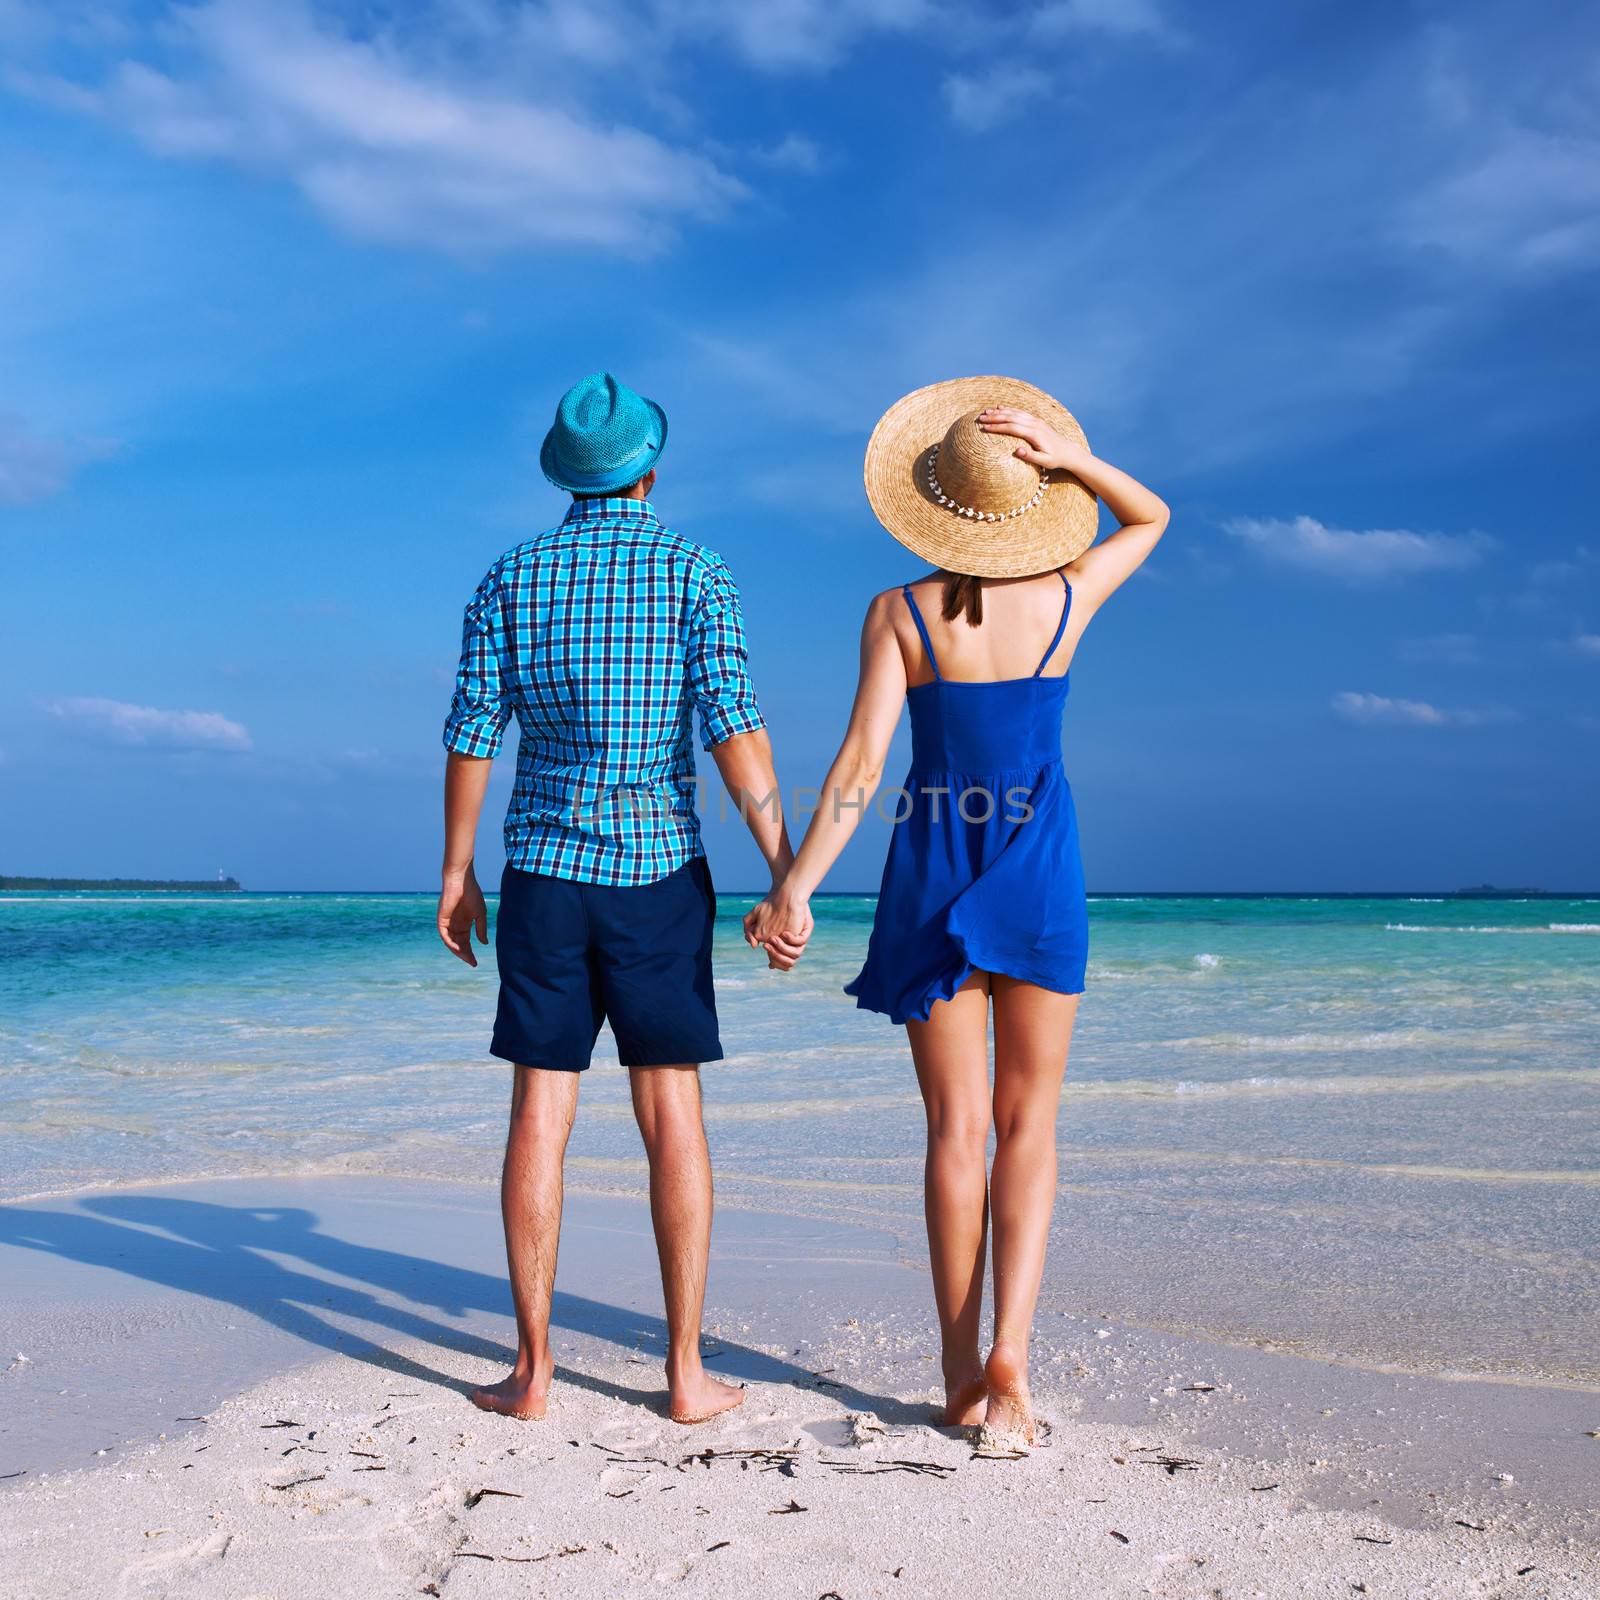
[1001, 722]
[1020, 617]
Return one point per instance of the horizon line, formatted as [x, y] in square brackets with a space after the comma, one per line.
[1487, 892]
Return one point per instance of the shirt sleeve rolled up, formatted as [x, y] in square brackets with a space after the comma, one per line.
[718, 661]
[479, 709]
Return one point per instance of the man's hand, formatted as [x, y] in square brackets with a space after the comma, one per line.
[461, 910]
[780, 924]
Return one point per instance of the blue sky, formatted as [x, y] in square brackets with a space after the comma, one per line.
[288, 293]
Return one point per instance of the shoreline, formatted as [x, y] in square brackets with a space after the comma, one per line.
[740, 1193]
[221, 1298]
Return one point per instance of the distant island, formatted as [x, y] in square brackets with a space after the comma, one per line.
[218, 885]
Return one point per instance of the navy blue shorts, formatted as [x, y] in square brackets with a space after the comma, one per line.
[574, 955]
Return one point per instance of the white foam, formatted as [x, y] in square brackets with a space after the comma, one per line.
[1490, 927]
[1341, 1084]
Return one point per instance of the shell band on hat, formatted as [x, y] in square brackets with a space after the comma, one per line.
[972, 511]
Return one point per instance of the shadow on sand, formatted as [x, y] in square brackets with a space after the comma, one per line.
[255, 1258]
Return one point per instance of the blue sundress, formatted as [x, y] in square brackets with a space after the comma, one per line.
[984, 871]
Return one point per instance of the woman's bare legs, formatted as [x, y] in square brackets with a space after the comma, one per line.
[951, 1051]
[1032, 1032]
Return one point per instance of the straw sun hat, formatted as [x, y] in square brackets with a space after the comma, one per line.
[960, 498]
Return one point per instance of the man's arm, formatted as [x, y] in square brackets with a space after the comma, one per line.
[479, 712]
[461, 907]
[745, 762]
[734, 731]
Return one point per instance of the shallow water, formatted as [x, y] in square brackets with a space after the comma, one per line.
[1362, 1128]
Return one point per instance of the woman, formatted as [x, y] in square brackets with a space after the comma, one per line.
[982, 902]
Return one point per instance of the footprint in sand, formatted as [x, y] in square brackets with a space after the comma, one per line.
[192, 1558]
[628, 1435]
[618, 1479]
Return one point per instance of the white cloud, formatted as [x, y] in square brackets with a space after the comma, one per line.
[779, 35]
[793, 153]
[390, 144]
[1552, 584]
[31, 468]
[984, 100]
[120, 722]
[1531, 200]
[1134, 18]
[1357, 556]
[1377, 710]
[1520, 190]
[1587, 645]
[1445, 649]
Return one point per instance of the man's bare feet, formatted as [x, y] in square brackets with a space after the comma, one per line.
[964, 1396]
[1008, 1417]
[698, 1397]
[525, 1394]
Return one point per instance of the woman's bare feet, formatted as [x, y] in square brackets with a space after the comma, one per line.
[525, 1394]
[698, 1397]
[965, 1392]
[1008, 1417]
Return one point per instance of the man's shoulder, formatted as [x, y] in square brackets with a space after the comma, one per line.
[679, 547]
[530, 549]
[657, 538]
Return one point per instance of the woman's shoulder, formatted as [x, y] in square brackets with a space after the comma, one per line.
[921, 584]
[880, 609]
[889, 605]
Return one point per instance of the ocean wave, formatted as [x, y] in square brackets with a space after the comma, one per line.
[1376, 1041]
[1206, 959]
[1133, 1156]
[1490, 927]
[1270, 1084]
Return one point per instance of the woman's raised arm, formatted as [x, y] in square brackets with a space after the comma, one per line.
[1143, 514]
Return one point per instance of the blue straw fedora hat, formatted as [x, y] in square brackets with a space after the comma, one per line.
[604, 437]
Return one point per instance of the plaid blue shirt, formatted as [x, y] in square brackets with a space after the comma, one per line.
[603, 635]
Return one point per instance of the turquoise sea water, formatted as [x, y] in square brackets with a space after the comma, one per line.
[1360, 1128]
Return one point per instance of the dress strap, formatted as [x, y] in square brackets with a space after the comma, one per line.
[922, 628]
[1061, 627]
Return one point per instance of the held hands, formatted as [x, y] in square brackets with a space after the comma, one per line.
[1042, 446]
[779, 924]
[461, 910]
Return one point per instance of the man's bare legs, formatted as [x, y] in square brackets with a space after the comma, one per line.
[1032, 1033]
[951, 1051]
[666, 1101]
[542, 1107]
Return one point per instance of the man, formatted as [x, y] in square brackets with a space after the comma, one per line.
[604, 635]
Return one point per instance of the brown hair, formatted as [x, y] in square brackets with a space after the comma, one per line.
[962, 593]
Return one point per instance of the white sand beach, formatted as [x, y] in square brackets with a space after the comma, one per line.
[254, 1387]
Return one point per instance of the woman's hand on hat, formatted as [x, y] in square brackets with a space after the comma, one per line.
[1041, 445]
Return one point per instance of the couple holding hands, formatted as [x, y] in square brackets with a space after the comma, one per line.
[606, 636]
